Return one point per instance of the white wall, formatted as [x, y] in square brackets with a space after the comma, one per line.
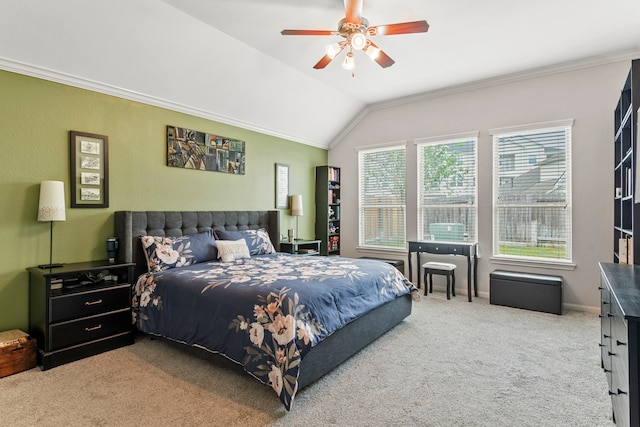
[587, 95]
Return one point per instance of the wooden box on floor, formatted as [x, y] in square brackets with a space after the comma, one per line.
[17, 352]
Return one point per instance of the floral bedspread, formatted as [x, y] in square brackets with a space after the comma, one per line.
[265, 312]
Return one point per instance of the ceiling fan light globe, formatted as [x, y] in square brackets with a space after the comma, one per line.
[349, 62]
[332, 49]
[372, 52]
[358, 41]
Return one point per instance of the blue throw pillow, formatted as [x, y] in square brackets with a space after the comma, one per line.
[163, 253]
[258, 241]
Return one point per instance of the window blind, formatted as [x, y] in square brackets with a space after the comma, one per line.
[381, 190]
[447, 190]
[532, 194]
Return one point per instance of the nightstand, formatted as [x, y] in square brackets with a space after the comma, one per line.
[301, 247]
[79, 310]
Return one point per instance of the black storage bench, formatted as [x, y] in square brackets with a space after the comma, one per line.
[536, 292]
[397, 263]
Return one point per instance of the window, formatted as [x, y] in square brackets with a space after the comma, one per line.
[532, 197]
[381, 190]
[447, 196]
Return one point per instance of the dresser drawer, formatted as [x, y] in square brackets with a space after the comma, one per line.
[77, 305]
[78, 331]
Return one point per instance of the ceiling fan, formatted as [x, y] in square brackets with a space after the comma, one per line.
[355, 30]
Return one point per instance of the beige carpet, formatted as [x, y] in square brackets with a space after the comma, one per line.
[451, 363]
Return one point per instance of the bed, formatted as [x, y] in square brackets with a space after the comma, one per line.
[287, 319]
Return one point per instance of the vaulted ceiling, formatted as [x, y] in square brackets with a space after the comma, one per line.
[226, 59]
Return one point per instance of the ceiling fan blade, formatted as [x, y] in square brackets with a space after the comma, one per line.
[323, 62]
[401, 28]
[353, 11]
[308, 33]
[382, 59]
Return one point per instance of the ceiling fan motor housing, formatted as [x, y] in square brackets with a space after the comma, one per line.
[354, 33]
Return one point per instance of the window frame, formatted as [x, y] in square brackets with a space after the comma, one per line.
[444, 140]
[498, 165]
[362, 221]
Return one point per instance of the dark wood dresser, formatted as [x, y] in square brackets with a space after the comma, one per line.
[79, 310]
[620, 339]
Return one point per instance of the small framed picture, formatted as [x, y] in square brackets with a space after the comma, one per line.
[89, 160]
[282, 186]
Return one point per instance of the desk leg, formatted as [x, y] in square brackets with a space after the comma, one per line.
[469, 277]
[410, 270]
[475, 274]
[418, 270]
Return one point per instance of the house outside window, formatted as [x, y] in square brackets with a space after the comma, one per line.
[447, 188]
[532, 199]
[381, 191]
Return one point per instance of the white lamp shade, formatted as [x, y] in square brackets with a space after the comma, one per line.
[51, 206]
[296, 205]
[349, 62]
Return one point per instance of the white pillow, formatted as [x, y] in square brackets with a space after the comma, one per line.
[231, 250]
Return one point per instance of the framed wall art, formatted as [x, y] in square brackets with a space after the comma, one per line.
[192, 149]
[89, 160]
[282, 186]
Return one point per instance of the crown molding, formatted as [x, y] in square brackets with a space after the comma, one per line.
[94, 86]
[485, 83]
[563, 67]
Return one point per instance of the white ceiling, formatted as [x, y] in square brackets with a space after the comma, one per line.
[226, 59]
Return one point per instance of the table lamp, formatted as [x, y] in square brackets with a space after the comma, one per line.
[51, 208]
[296, 210]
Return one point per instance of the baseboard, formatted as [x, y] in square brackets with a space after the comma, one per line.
[565, 306]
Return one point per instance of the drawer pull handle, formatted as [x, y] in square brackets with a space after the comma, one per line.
[611, 354]
[607, 336]
[93, 302]
[95, 328]
[618, 342]
[622, 392]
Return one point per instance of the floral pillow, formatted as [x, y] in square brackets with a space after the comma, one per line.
[163, 253]
[231, 250]
[258, 241]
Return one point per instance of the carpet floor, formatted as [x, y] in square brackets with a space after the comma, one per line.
[451, 363]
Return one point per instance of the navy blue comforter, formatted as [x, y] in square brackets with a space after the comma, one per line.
[265, 312]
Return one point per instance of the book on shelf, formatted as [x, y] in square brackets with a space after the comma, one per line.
[622, 251]
[333, 174]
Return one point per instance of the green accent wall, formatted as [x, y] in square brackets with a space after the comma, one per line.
[35, 119]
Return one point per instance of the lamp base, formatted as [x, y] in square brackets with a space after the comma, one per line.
[49, 266]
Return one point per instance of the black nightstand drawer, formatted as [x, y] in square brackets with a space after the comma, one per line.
[74, 306]
[90, 328]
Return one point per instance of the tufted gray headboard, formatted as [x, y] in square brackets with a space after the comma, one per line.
[130, 225]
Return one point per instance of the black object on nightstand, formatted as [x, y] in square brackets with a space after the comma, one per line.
[80, 310]
[301, 247]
